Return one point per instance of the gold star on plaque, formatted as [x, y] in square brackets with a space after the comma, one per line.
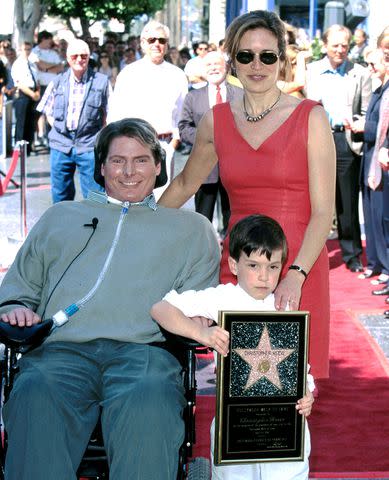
[263, 360]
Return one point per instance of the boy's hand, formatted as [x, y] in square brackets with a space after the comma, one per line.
[304, 405]
[217, 338]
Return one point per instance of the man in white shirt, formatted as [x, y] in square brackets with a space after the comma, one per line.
[194, 69]
[152, 89]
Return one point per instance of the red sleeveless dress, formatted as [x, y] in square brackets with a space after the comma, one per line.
[273, 180]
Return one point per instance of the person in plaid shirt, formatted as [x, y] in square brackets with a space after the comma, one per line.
[75, 104]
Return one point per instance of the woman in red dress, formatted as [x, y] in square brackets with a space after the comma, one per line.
[276, 157]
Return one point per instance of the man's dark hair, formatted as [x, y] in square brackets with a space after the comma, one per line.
[44, 35]
[257, 233]
[132, 128]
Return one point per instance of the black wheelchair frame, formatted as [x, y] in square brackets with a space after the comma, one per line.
[94, 465]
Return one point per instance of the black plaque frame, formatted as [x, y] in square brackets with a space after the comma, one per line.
[260, 423]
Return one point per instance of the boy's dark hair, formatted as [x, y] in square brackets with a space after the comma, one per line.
[257, 233]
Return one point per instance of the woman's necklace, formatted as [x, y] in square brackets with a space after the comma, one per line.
[251, 118]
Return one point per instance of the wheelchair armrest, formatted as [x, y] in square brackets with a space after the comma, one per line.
[181, 342]
[188, 342]
[14, 336]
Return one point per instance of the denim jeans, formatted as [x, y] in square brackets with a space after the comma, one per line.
[62, 170]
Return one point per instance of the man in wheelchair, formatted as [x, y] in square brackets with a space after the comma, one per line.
[96, 267]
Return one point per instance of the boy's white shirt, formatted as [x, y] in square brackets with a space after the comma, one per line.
[207, 303]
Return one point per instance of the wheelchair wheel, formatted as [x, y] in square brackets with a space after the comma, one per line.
[199, 469]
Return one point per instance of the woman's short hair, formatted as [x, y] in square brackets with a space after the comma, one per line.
[250, 21]
[138, 129]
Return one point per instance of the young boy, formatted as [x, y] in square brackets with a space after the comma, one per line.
[258, 249]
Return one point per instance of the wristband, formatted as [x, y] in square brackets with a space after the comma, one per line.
[299, 269]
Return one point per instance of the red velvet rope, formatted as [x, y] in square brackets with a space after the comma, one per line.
[11, 170]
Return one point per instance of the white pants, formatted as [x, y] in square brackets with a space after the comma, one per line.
[263, 471]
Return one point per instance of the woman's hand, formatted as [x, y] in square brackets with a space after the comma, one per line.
[289, 291]
[304, 405]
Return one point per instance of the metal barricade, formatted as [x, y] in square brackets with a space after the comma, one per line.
[22, 145]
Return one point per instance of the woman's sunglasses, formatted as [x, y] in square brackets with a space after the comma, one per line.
[267, 57]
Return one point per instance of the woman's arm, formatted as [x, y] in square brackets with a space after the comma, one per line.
[199, 165]
[321, 166]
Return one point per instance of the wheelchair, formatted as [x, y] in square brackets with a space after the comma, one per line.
[94, 465]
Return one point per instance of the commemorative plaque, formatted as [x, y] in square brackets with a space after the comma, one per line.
[258, 385]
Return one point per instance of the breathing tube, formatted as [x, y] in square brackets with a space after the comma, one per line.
[63, 316]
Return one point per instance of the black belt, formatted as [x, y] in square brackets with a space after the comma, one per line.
[338, 128]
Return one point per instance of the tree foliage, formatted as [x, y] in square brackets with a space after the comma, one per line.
[88, 11]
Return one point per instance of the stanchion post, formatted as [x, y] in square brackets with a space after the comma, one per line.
[23, 204]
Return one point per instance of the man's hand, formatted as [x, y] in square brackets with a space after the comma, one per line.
[21, 316]
[371, 181]
[304, 405]
[383, 158]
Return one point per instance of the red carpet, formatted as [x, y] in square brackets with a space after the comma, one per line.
[350, 421]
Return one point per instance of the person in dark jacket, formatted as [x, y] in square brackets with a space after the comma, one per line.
[372, 194]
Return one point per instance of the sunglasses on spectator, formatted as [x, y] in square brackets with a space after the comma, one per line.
[103, 56]
[83, 56]
[267, 57]
[161, 40]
